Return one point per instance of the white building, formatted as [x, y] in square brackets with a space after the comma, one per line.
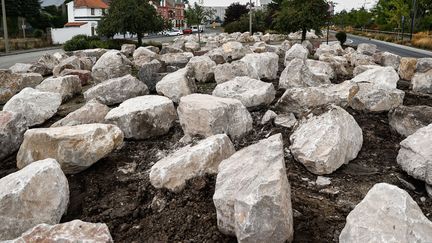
[83, 19]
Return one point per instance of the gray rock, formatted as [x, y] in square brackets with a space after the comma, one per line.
[35, 106]
[415, 154]
[251, 92]
[422, 82]
[75, 147]
[234, 50]
[73, 231]
[268, 117]
[177, 84]
[208, 115]
[265, 64]
[143, 117]
[51, 60]
[366, 49]
[297, 51]
[21, 68]
[385, 77]
[285, 120]
[12, 128]
[112, 64]
[116, 90]
[363, 68]
[300, 99]
[321, 68]
[85, 76]
[92, 112]
[386, 214]
[66, 86]
[390, 60]
[176, 48]
[142, 56]
[406, 120]
[176, 59]
[332, 49]
[12, 83]
[148, 74]
[229, 71]
[253, 195]
[173, 171]
[217, 55]
[322, 181]
[361, 59]
[375, 99]
[324, 143]
[424, 65]
[297, 74]
[192, 46]
[202, 68]
[128, 49]
[72, 62]
[95, 53]
[36, 194]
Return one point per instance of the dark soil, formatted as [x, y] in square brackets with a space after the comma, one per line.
[117, 191]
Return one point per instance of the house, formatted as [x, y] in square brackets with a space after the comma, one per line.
[171, 10]
[83, 19]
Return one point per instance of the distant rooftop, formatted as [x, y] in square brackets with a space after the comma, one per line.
[52, 2]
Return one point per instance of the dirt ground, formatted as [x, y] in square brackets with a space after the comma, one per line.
[117, 190]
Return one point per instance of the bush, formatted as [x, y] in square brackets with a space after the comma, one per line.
[37, 33]
[78, 42]
[81, 42]
[341, 37]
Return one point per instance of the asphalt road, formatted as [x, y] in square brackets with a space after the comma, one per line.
[396, 49]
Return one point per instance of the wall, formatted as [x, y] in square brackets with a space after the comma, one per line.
[61, 35]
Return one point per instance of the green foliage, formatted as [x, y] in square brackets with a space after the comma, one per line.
[197, 15]
[295, 15]
[131, 16]
[78, 42]
[37, 33]
[341, 37]
[234, 12]
[242, 25]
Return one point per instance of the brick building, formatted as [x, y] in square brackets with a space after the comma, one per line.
[172, 10]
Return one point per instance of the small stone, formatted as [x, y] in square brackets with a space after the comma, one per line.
[268, 117]
[286, 120]
[323, 181]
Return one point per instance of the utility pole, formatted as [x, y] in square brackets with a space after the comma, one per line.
[403, 28]
[250, 17]
[413, 16]
[5, 31]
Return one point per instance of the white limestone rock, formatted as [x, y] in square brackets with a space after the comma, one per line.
[192, 46]
[128, 49]
[35, 106]
[177, 84]
[92, 112]
[253, 195]
[75, 147]
[406, 120]
[144, 116]
[422, 82]
[297, 74]
[388, 59]
[173, 171]
[366, 49]
[363, 68]
[265, 64]
[12, 83]
[386, 214]
[415, 154]
[424, 65]
[297, 51]
[385, 77]
[71, 62]
[112, 64]
[371, 98]
[36, 194]
[176, 59]
[321, 68]
[202, 68]
[234, 50]
[12, 128]
[66, 86]
[268, 117]
[285, 120]
[324, 143]
[116, 90]
[228, 71]
[208, 115]
[251, 92]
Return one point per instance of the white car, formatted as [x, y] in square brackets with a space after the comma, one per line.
[173, 32]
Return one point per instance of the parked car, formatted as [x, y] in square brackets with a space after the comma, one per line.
[195, 29]
[187, 31]
[173, 32]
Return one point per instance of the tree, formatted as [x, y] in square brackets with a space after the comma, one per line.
[197, 15]
[130, 16]
[234, 12]
[303, 15]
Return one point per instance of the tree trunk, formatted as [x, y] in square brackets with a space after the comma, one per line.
[140, 36]
[304, 31]
[199, 36]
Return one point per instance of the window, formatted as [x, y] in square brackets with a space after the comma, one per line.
[92, 11]
[103, 11]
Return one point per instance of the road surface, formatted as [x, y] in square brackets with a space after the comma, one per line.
[390, 47]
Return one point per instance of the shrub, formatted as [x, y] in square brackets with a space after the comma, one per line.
[341, 37]
[37, 33]
[81, 42]
[422, 40]
[78, 42]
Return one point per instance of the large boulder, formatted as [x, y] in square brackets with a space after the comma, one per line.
[149, 74]
[321, 68]
[363, 68]
[297, 51]
[325, 142]
[143, 55]
[12, 83]
[143, 117]
[66, 86]
[177, 84]
[34, 195]
[85, 76]
[112, 64]
[234, 50]
[30, 68]
[35, 106]
[265, 64]
[12, 128]
[94, 53]
[389, 59]
[385, 77]
[407, 68]
[192, 46]
[386, 214]
[332, 49]
[422, 82]
[297, 74]
[51, 60]
[415, 154]
[217, 55]
[366, 49]
[301, 99]
[128, 49]
[202, 68]
[228, 71]
[75, 147]
[253, 196]
[406, 120]
[173, 171]
[73, 231]
[175, 48]
[92, 112]
[376, 99]
[116, 90]
[72, 62]
[358, 59]
[424, 65]
[208, 115]
[251, 92]
[176, 59]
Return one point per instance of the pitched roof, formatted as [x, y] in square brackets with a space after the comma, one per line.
[90, 4]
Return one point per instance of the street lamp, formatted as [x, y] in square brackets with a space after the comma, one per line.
[413, 16]
[5, 31]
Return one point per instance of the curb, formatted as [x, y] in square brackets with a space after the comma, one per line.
[3, 54]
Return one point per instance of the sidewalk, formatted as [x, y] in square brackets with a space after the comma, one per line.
[11, 53]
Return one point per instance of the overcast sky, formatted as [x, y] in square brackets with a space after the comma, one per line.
[340, 4]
